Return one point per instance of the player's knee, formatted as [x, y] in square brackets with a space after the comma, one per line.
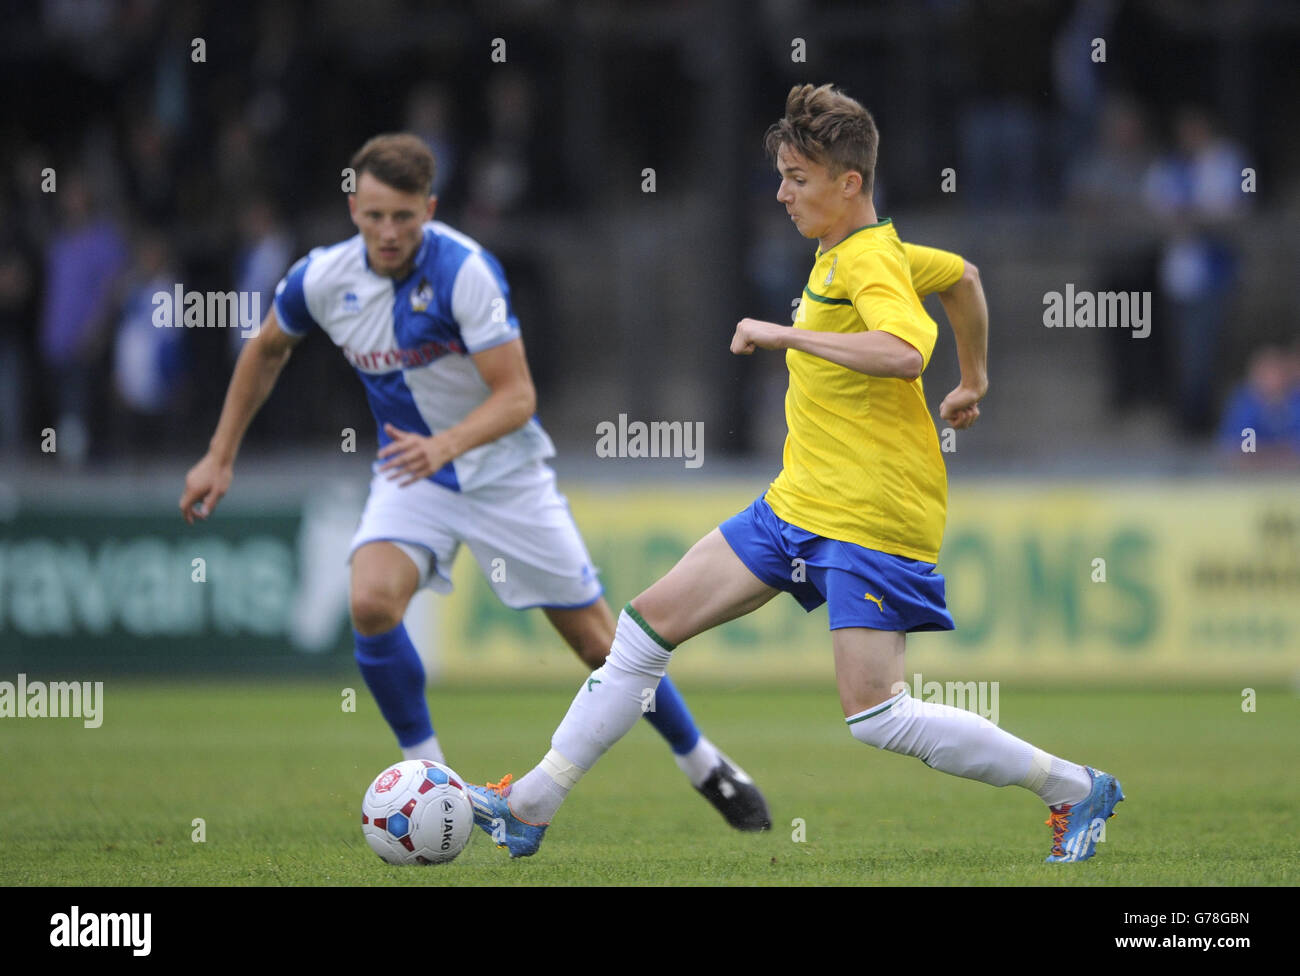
[375, 611]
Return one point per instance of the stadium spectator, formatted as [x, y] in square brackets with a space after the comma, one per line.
[1107, 181]
[83, 264]
[1261, 422]
[1105, 186]
[265, 252]
[1196, 191]
[1078, 83]
[429, 116]
[148, 356]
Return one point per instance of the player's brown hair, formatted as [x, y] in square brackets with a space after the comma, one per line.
[399, 159]
[828, 127]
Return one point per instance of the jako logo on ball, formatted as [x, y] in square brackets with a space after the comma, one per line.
[448, 823]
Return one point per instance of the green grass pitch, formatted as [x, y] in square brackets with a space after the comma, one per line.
[276, 771]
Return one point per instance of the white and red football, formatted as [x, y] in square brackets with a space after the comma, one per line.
[417, 812]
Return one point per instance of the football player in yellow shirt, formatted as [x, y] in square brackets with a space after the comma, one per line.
[854, 519]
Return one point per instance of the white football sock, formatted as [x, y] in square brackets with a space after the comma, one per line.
[699, 762]
[536, 797]
[607, 705]
[1066, 782]
[966, 744]
[428, 749]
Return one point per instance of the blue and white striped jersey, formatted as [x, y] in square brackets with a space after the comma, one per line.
[411, 340]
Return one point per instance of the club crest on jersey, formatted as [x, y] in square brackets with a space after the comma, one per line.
[351, 304]
[422, 296]
[831, 273]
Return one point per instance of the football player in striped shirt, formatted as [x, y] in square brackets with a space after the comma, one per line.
[859, 504]
[423, 314]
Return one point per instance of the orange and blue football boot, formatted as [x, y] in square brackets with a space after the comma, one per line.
[492, 813]
[1076, 827]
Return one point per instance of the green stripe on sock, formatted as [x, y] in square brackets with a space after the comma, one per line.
[640, 622]
[862, 718]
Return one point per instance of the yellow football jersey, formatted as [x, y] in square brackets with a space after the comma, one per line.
[862, 461]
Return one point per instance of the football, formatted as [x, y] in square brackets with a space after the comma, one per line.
[417, 812]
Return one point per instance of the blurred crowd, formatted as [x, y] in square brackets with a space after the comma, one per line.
[1190, 189]
[129, 166]
[211, 168]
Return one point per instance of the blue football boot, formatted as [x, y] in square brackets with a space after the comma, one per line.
[492, 813]
[1076, 827]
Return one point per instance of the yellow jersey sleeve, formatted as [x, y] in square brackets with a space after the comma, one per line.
[932, 269]
[886, 300]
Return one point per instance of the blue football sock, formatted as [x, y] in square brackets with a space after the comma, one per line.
[672, 719]
[395, 676]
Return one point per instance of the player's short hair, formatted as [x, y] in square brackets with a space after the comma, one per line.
[399, 159]
[827, 127]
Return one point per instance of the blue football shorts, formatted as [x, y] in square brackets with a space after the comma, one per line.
[862, 587]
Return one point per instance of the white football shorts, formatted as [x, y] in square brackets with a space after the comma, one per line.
[519, 528]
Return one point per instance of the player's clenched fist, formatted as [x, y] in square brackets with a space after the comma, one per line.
[961, 407]
[752, 334]
[205, 485]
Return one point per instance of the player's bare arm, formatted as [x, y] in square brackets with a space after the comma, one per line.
[256, 371]
[874, 353]
[968, 314]
[513, 400]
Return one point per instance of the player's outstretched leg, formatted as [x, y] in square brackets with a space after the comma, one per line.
[590, 632]
[869, 669]
[605, 708]
[707, 587]
[383, 582]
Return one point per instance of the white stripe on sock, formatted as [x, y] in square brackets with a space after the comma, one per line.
[564, 773]
[1039, 766]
